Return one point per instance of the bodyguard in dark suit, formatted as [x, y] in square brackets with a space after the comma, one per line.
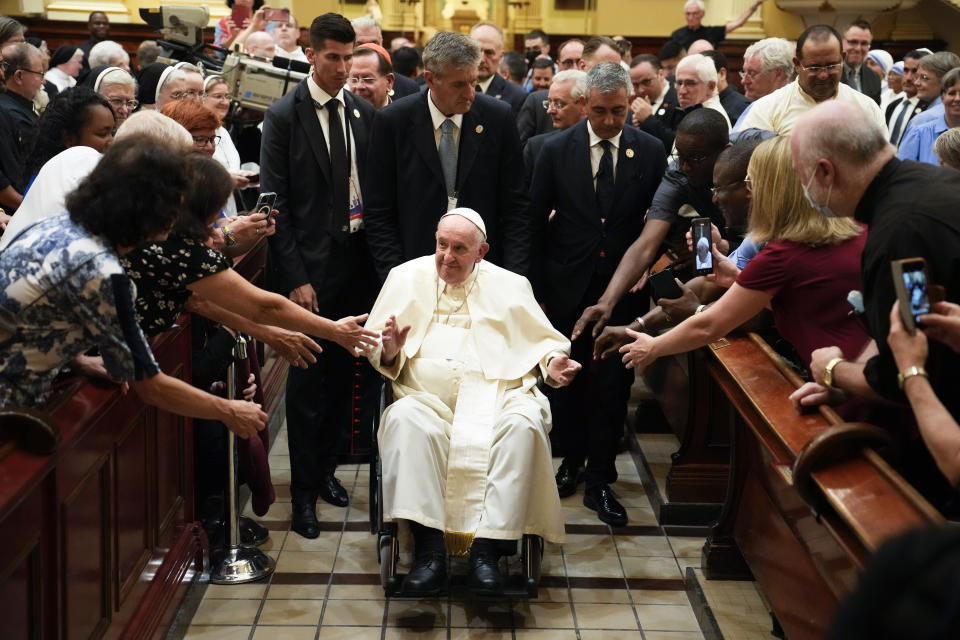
[489, 82]
[314, 157]
[652, 108]
[442, 148]
[600, 177]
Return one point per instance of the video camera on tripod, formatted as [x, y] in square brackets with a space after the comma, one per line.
[254, 82]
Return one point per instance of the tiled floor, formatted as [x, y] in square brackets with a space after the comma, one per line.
[602, 584]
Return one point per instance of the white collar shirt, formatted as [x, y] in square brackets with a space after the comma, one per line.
[596, 152]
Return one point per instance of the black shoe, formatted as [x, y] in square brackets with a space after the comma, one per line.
[568, 478]
[305, 519]
[427, 577]
[485, 578]
[252, 532]
[599, 497]
[333, 492]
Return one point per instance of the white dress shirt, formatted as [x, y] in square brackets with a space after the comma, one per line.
[596, 152]
[437, 117]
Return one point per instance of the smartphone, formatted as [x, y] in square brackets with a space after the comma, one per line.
[664, 285]
[239, 14]
[702, 246]
[910, 282]
[266, 203]
[277, 15]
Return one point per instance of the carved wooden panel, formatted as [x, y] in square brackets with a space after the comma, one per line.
[132, 483]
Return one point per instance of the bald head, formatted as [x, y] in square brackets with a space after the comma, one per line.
[699, 46]
[260, 43]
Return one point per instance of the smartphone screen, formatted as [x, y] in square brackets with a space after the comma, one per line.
[910, 281]
[277, 15]
[702, 246]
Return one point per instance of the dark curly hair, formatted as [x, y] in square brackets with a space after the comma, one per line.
[134, 193]
[211, 185]
[67, 114]
[256, 5]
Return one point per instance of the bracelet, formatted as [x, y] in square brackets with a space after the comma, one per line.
[699, 309]
[910, 372]
[642, 323]
[229, 236]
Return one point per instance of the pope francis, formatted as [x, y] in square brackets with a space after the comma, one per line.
[464, 447]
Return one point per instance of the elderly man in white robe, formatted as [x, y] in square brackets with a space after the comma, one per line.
[465, 453]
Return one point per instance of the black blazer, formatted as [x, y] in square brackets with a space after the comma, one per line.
[660, 123]
[571, 243]
[295, 164]
[531, 151]
[403, 86]
[533, 119]
[869, 82]
[508, 92]
[920, 107]
[404, 194]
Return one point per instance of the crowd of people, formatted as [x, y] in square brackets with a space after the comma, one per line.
[546, 187]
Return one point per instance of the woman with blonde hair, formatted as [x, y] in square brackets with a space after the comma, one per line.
[804, 273]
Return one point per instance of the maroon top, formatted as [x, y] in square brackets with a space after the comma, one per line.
[809, 287]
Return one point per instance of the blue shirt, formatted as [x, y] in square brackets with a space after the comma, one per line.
[743, 254]
[63, 292]
[917, 142]
[934, 111]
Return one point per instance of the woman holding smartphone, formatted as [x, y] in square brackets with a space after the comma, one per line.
[804, 273]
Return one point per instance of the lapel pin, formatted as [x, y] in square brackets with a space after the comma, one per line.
[661, 112]
[629, 153]
[498, 96]
[479, 128]
[356, 113]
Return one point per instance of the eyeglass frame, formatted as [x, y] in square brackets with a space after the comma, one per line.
[367, 81]
[130, 104]
[715, 190]
[188, 94]
[817, 69]
[204, 140]
[546, 104]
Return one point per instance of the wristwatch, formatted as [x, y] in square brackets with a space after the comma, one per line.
[909, 373]
[828, 372]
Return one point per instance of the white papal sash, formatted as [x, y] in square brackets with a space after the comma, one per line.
[468, 460]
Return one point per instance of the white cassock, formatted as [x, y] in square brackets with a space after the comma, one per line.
[464, 447]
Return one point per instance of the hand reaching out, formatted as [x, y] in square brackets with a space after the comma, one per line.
[639, 353]
[393, 338]
[563, 369]
[597, 314]
[352, 336]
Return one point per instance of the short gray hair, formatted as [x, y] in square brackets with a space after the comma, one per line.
[704, 66]
[950, 78]
[450, 50]
[157, 126]
[116, 76]
[578, 77]
[366, 22]
[947, 148]
[107, 52]
[607, 77]
[695, 3]
[939, 63]
[774, 53]
[855, 140]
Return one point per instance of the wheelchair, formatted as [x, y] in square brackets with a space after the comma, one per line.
[517, 585]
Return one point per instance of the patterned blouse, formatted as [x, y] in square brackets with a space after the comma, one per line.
[162, 271]
[63, 292]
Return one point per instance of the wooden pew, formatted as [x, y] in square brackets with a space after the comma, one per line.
[98, 538]
[808, 501]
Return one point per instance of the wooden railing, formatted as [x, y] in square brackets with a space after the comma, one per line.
[809, 500]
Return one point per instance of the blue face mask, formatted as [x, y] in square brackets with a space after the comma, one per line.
[824, 210]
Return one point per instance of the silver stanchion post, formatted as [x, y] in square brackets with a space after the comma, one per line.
[236, 563]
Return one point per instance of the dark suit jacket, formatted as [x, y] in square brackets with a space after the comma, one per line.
[531, 151]
[508, 92]
[571, 245]
[660, 124]
[733, 102]
[295, 164]
[533, 119]
[405, 196]
[893, 106]
[403, 86]
[869, 82]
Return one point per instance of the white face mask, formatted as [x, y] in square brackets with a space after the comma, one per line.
[823, 209]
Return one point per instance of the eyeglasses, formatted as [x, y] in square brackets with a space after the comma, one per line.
[554, 104]
[691, 160]
[716, 190]
[189, 94]
[202, 141]
[218, 96]
[817, 69]
[39, 73]
[750, 74]
[687, 83]
[858, 43]
[924, 77]
[367, 82]
[120, 103]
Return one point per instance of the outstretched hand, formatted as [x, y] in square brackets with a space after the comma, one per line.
[725, 271]
[639, 353]
[609, 340]
[393, 339]
[597, 314]
[352, 336]
[563, 369]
